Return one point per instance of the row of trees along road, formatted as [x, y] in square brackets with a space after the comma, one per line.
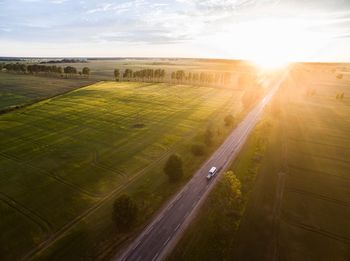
[145, 75]
[207, 78]
[52, 70]
[179, 76]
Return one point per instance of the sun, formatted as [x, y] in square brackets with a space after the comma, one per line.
[270, 63]
[271, 43]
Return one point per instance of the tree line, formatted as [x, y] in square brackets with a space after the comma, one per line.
[178, 76]
[45, 69]
[146, 75]
[208, 78]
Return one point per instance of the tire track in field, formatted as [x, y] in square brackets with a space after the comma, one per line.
[59, 233]
[318, 196]
[160, 127]
[318, 143]
[44, 225]
[276, 212]
[190, 135]
[320, 231]
[318, 172]
[50, 174]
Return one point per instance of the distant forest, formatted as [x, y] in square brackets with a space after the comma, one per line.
[48, 70]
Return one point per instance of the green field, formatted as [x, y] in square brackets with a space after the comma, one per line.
[310, 144]
[307, 158]
[17, 89]
[20, 89]
[64, 159]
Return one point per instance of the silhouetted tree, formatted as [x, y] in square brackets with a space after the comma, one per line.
[173, 168]
[116, 74]
[86, 71]
[125, 212]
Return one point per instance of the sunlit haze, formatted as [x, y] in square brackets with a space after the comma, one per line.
[268, 32]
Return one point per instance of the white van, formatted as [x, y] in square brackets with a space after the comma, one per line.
[211, 173]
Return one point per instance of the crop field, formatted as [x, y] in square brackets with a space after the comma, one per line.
[64, 157]
[300, 209]
[16, 89]
[20, 89]
[102, 69]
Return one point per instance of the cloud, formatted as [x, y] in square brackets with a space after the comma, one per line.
[116, 7]
[151, 36]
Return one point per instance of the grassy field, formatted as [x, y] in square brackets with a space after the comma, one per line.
[17, 90]
[299, 208]
[63, 161]
[308, 160]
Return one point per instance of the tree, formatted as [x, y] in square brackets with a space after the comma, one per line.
[127, 74]
[125, 212]
[116, 74]
[198, 149]
[180, 75]
[229, 189]
[173, 76]
[229, 120]
[86, 71]
[173, 168]
[340, 76]
[70, 70]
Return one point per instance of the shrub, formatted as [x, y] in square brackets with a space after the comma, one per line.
[229, 120]
[173, 168]
[125, 212]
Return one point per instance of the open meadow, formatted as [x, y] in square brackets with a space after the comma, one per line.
[63, 160]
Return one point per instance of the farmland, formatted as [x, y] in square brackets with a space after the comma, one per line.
[298, 208]
[64, 159]
[18, 90]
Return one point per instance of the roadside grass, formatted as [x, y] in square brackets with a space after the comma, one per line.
[19, 90]
[66, 158]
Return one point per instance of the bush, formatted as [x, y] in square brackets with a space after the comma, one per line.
[173, 168]
[198, 149]
[229, 120]
[125, 212]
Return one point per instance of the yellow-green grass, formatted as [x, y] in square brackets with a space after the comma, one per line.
[19, 89]
[63, 160]
[314, 221]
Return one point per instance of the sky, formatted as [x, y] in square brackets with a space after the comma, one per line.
[277, 30]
